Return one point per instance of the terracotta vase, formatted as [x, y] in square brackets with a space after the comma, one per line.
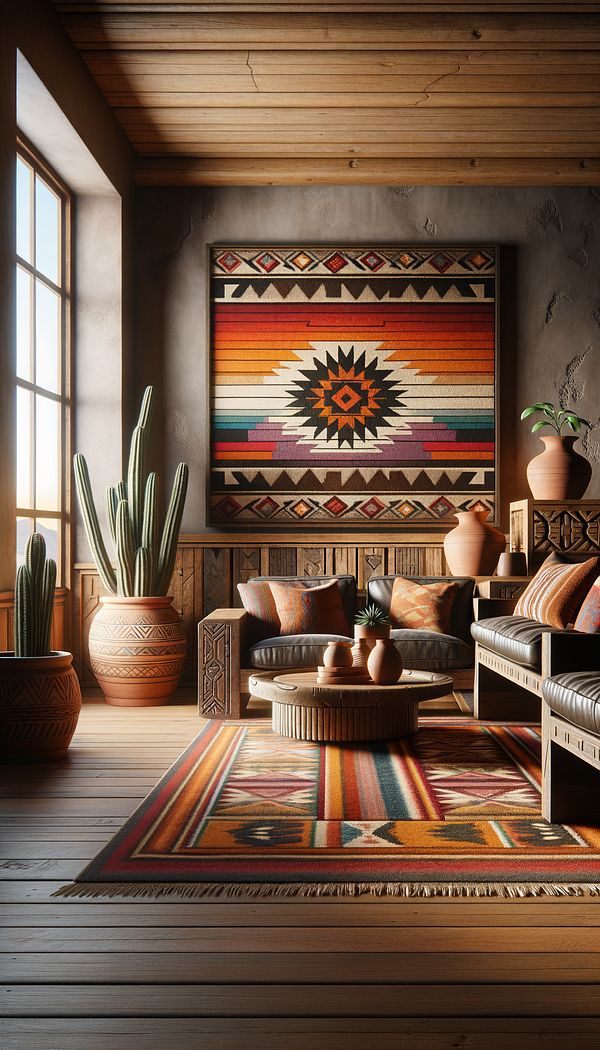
[559, 472]
[385, 662]
[360, 654]
[474, 546]
[338, 654]
[371, 634]
[137, 650]
[40, 700]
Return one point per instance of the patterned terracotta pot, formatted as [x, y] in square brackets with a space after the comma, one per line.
[40, 700]
[474, 546]
[559, 472]
[385, 662]
[137, 650]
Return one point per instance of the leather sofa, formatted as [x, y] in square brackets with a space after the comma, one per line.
[571, 731]
[513, 656]
[227, 655]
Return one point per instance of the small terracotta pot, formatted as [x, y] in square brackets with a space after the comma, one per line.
[40, 701]
[360, 654]
[338, 654]
[512, 563]
[474, 546]
[385, 662]
[371, 634]
[137, 650]
[559, 472]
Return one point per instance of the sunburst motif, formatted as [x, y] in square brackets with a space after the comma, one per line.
[345, 397]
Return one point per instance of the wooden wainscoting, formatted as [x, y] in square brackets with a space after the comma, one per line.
[209, 567]
[60, 636]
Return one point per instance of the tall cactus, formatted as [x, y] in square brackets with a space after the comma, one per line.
[34, 599]
[145, 556]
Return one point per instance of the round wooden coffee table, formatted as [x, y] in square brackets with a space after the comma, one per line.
[306, 711]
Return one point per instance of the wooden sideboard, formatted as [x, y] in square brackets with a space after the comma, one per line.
[209, 567]
[539, 527]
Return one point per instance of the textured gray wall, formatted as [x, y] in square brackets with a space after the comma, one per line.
[550, 295]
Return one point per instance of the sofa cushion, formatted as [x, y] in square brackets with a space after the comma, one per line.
[258, 601]
[422, 606]
[575, 696]
[556, 592]
[346, 584]
[310, 610]
[379, 589]
[515, 637]
[292, 650]
[431, 651]
[588, 617]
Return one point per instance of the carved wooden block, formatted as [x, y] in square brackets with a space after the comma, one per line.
[539, 527]
[220, 641]
[502, 586]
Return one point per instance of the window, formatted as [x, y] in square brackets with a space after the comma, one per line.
[42, 367]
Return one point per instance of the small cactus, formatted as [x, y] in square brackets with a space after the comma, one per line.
[372, 616]
[145, 559]
[34, 600]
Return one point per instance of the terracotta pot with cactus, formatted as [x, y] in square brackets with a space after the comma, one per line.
[40, 698]
[371, 623]
[137, 640]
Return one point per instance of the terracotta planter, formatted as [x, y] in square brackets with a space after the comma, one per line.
[385, 662]
[474, 546]
[137, 650]
[360, 654]
[40, 700]
[559, 472]
[371, 634]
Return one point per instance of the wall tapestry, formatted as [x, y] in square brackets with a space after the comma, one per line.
[352, 386]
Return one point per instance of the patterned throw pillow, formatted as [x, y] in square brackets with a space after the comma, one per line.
[259, 603]
[588, 617]
[310, 610]
[422, 606]
[556, 592]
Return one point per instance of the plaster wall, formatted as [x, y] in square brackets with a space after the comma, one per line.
[549, 294]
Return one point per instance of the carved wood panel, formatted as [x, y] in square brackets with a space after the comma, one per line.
[372, 561]
[217, 578]
[311, 561]
[247, 562]
[282, 561]
[539, 527]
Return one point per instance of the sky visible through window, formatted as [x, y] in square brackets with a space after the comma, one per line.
[39, 358]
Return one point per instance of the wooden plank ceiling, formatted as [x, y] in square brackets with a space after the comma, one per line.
[282, 92]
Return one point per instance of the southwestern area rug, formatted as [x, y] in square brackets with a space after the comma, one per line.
[454, 810]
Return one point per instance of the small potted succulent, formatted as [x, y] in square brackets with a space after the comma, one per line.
[40, 698]
[372, 623]
[559, 472]
[137, 640]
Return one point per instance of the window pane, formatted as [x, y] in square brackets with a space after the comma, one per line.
[47, 454]
[24, 307]
[24, 449]
[48, 527]
[24, 177]
[24, 530]
[47, 230]
[47, 338]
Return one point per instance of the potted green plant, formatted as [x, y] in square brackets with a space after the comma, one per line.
[372, 623]
[559, 472]
[137, 640]
[40, 698]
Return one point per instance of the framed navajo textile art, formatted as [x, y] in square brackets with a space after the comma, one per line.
[352, 386]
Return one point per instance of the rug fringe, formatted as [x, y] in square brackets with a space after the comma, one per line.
[191, 890]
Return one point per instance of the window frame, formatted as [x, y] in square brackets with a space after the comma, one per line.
[64, 289]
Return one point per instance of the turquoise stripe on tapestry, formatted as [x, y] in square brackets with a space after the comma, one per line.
[397, 806]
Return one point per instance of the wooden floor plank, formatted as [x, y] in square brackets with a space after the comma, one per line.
[306, 967]
[345, 1000]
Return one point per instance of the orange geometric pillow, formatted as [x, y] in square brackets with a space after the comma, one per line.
[310, 610]
[422, 606]
[556, 592]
